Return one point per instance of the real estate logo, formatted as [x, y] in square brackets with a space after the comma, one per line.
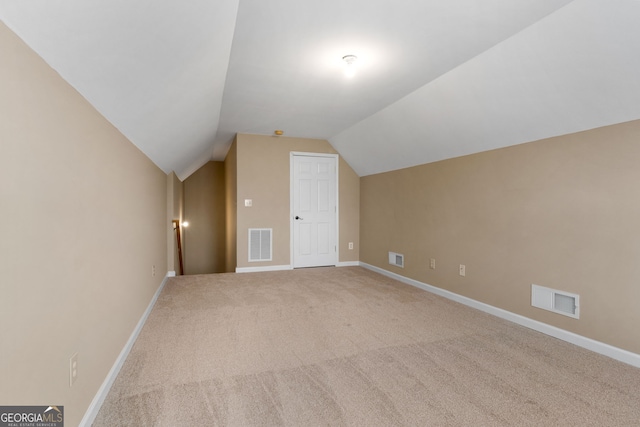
[31, 416]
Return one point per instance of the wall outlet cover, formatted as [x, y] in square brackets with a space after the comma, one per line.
[73, 369]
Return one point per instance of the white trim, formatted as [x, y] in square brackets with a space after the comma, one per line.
[625, 356]
[337, 209]
[103, 391]
[292, 154]
[348, 264]
[171, 273]
[263, 268]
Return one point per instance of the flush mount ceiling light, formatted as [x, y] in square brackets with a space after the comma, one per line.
[350, 67]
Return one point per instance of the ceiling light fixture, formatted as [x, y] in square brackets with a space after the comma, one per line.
[350, 69]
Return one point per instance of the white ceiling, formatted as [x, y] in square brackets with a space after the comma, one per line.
[436, 78]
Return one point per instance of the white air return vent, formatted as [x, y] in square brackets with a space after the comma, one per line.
[557, 301]
[260, 244]
[396, 259]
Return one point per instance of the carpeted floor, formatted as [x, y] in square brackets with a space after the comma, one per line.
[349, 347]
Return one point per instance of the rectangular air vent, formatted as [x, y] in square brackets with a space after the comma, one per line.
[260, 244]
[557, 301]
[396, 259]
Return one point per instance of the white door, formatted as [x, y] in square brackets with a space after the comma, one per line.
[314, 211]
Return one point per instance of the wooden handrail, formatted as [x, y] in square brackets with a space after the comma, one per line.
[176, 227]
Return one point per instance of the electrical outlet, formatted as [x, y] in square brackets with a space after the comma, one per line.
[462, 270]
[73, 369]
[350, 246]
[153, 271]
[432, 263]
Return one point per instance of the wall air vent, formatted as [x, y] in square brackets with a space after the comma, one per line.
[557, 301]
[396, 259]
[260, 244]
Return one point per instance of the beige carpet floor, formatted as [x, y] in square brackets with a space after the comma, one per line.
[349, 347]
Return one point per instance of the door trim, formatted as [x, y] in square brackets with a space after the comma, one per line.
[293, 154]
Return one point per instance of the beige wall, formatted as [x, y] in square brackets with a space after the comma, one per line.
[204, 239]
[349, 218]
[263, 175]
[231, 206]
[175, 210]
[83, 222]
[562, 213]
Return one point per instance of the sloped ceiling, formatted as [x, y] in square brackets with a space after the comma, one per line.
[435, 78]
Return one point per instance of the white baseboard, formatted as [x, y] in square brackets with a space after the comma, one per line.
[263, 268]
[348, 264]
[287, 267]
[98, 400]
[625, 356]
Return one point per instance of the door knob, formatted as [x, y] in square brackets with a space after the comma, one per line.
[297, 217]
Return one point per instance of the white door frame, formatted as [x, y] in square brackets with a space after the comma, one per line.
[293, 154]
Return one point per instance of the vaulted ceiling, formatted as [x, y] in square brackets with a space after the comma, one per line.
[435, 78]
